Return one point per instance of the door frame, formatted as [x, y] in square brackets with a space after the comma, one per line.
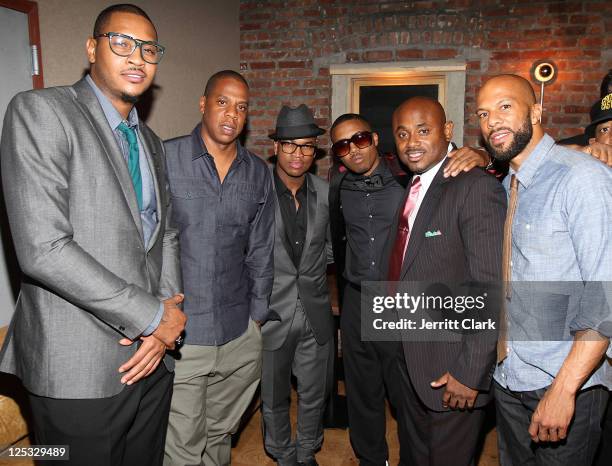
[31, 9]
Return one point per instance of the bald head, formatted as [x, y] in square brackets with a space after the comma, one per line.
[509, 118]
[421, 104]
[421, 133]
[517, 85]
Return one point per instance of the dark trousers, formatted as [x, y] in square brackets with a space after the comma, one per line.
[438, 438]
[604, 453]
[514, 411]
[369, 368]
[126, 429]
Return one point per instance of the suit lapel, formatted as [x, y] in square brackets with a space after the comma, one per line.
[426, 210]
[154, 168]
[93, 112]
[311, 202]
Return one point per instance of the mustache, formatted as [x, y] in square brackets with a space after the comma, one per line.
[501, 128]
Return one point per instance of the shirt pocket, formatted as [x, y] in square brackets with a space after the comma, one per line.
[242, 205]
[537, 235]
[192, 201]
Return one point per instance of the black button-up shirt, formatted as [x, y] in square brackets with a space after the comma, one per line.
[226, 238]
[369, 205]
[295, 220]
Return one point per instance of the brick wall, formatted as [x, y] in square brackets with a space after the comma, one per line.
[286, 48]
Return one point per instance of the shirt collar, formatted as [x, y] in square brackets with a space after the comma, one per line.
[381, 169]
[200, 150]
[282, 189]
[534, 161]
[110, 112]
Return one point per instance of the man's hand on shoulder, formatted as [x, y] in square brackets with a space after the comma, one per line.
[599, 150]
[464, 159]
[172, 323]
[456, 395]
[144, 361]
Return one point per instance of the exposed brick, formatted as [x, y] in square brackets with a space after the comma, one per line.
[292, 64]
[262, 65]
[379, 55]
[408, 54]
[440, 53]
[591, 42]
[287, 48]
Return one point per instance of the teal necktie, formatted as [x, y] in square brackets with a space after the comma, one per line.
[133, 163]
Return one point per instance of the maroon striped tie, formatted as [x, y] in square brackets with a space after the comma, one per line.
[403, 232]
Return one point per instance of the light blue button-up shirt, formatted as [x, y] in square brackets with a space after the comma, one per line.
[148, 214]
[561, 264]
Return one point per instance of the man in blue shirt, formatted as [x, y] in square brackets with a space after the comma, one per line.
[224, 210]
[552, 376]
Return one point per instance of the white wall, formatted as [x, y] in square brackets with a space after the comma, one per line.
[200, 37]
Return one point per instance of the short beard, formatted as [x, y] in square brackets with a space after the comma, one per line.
[521, 138]
[129, 99]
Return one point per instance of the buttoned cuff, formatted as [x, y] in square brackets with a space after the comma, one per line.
[153, 326]
[259, 309]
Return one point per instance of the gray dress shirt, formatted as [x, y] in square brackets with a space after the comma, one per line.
[226, 233]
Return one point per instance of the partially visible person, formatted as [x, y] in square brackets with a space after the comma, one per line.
[552, 379]
[364, 194]
[87, 200]
[445, 384]
[298, 337]
[223, 203]
[585, 143]
[601, 129]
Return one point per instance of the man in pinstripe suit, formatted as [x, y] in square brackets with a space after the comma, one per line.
[455, 232]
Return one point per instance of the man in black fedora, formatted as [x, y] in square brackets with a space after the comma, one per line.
[298, 337]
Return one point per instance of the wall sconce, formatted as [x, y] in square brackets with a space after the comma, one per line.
[544, 72]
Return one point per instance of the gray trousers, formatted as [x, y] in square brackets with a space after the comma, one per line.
[213, 386]
[310, 363]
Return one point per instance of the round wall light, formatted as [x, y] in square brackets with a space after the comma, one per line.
[545, 73]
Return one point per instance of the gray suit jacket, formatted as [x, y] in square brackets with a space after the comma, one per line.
[88, 278]
[310, 281]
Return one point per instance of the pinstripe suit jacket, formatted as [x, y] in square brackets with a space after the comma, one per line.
[469, 211]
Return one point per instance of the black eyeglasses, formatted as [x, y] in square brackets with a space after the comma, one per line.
[124, 46]
[342, 148]
[307, 150]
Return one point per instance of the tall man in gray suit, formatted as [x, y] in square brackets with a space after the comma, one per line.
[84, 182]
[298, 337]
[447, 230]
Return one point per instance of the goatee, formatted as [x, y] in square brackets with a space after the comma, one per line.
[521, 138]
[130, 99]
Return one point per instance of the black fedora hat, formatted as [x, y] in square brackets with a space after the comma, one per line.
[295, 123]
[600, 113]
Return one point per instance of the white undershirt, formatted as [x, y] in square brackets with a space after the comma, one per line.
[426, 180]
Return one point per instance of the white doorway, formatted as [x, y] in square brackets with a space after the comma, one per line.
[20, 70]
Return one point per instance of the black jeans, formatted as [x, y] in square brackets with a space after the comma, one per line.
[514, 411]
[371, 371]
